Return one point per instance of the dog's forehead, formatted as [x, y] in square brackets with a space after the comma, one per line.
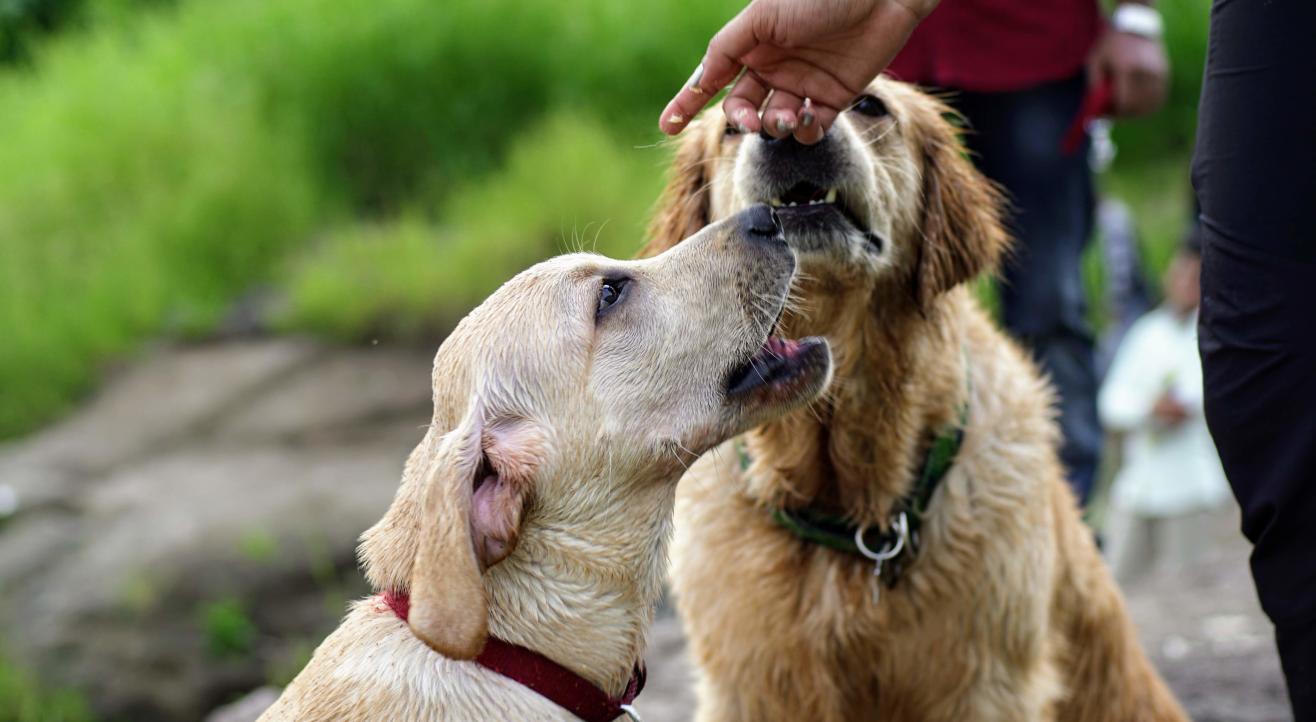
[529, 326]
[550, 288]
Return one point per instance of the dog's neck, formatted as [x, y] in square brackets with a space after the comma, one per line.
[857, 451]
[582, 585]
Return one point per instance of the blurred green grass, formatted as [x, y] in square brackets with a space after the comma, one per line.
[382, 164]
[567, 186]
[155, 167]
[24, 699]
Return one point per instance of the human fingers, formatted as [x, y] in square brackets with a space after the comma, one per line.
[682, 108]
[1122, 95]
[743, 102]
[815, 119]
[781, 116]
[719, 66]
[802, 76]
[1143, 93]
[1149, 76]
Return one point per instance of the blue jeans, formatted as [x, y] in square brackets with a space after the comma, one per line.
[1016, 139]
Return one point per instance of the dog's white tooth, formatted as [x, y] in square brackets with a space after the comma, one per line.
[831, 195]
[792, 204]
[814, 202]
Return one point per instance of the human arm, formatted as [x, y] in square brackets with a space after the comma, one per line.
[1132, 390]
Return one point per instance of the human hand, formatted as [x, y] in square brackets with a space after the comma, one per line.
[822, 51]
[1169, 411]
[1136, 68]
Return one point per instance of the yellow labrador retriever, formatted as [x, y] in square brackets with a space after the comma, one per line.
[905, 548]
[520, 563]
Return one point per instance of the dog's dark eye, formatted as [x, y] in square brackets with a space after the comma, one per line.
[869, 105]
[730, 130]
[611, 293]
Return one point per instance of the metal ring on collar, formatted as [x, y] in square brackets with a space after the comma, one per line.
[631, 713]
[902, 532]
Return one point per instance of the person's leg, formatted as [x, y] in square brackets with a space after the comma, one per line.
[1128, 544]
[1016, 138]
[1182, 540]
[1255, 175]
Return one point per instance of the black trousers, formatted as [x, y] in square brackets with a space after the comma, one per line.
[1255, 175]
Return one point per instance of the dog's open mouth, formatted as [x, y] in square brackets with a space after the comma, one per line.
[815, 205]
[778, 365]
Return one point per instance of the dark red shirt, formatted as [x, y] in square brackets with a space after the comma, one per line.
[999, 45]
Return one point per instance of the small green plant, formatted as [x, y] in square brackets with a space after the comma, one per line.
[258, 545]
[228, 629]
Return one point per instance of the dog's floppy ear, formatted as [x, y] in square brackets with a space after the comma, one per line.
[456, 517]
[962, 230]
[683, 207]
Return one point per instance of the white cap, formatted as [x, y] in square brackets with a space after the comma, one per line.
[1137, 19]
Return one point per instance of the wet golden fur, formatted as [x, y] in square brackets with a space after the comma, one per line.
[538, 506]
[1008, 613]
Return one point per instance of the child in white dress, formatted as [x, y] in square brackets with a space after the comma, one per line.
[1171, 476]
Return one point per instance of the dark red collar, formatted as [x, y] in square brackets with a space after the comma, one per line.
[551, 680]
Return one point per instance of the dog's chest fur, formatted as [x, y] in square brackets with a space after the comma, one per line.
[761, 605]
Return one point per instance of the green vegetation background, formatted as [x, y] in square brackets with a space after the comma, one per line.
[377, 166]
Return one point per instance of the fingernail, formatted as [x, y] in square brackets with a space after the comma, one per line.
[676, 118]
[695, 77]
[742, 128]
[806, 119]
[783, 126]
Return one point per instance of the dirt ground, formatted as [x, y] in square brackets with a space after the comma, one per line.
[1201, 625]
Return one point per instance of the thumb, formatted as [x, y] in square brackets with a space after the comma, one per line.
[720, 65]
[734, 41]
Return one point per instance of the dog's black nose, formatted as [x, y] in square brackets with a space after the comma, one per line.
[787, 140]
[760, 221]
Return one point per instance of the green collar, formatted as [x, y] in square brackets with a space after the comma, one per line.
[900, 539]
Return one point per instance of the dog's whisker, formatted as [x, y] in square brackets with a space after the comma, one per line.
[679, 460]
[692, 454]
[594, 245]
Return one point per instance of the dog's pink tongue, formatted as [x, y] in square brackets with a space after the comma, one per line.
[783, 347]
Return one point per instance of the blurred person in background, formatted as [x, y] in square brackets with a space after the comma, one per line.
[1019, 71]
[1171, 477]
[1254, 171]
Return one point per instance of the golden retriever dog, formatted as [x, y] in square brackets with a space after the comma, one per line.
[906, 547]
[535, 512]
